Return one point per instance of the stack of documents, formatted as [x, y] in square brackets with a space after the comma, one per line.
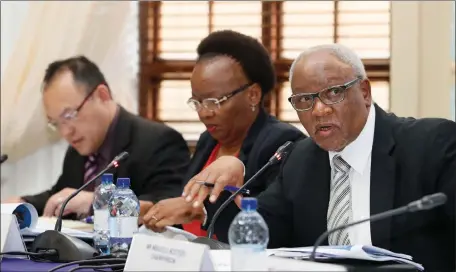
[45, 224]
[357, 252]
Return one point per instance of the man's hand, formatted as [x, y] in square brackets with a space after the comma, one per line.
[226, 170]
[170, 212]
[80, 204]
[13, 199]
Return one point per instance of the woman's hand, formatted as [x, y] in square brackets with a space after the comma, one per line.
[170, 212]
[226, 170]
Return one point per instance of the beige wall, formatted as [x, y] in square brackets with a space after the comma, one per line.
[421, 65]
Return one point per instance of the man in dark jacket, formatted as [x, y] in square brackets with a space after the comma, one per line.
[79, 105]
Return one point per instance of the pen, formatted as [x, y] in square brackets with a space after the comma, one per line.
[227, 188]
[88, 220]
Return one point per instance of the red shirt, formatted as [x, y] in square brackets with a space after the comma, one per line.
[195, 226]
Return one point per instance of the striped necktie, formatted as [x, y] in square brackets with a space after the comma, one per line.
[90, 169]
[339, 202]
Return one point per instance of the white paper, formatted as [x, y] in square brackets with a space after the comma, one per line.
[358, 252]
[47, 224]
[11, 239]
[71, 224]
[10, 208]
[221, 260]
[281, 264]
[170, 232]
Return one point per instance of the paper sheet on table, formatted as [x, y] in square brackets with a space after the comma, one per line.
[359, 252]
[71, 224]
[26, 214]
[221, 259]
[44, 224]
[170, 232]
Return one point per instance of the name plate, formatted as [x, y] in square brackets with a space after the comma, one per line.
[11, 239]
[153, 253]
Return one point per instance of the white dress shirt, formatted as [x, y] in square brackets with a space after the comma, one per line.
[358, 155]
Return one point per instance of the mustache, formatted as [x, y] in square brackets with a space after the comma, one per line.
[320, 125]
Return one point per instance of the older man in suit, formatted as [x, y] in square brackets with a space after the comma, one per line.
[78, 104]
[358, 161]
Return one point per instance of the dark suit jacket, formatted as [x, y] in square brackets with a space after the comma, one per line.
[158, 161]
[410, 159]
[265, 136]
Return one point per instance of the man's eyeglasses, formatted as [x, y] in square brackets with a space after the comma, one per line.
[214, 103]
[69, 114]
[329, 96]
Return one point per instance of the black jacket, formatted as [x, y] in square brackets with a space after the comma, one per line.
[411, 158]
[158, 161]
[265, 136]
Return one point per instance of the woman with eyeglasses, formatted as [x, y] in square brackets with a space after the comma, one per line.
[232, 76]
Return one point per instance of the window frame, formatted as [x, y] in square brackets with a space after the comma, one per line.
[154, 70]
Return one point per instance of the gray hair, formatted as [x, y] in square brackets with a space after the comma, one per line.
[343, 53]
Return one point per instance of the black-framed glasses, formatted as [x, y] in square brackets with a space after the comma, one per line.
[214, 103]
[69, 115]
[329, 96]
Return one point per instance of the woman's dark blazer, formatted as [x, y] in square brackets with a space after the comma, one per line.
[265, 136]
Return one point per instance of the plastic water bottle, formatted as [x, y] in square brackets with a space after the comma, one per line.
[101, 198]
[123, 216]
[248, 236]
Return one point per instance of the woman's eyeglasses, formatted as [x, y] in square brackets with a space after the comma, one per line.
[214, 103]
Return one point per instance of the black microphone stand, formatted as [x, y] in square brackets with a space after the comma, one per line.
[278, 156]
[210, 229]
[374, 218]
[70, 248]
[425, 203]
[58, 223]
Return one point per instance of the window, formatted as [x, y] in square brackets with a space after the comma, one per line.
[171, 30]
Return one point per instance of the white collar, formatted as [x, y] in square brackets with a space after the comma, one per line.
[357, 152]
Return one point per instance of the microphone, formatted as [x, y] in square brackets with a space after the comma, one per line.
[425, 203]
[114, 163]
[3, 158]
[277, 157]
[70, 248]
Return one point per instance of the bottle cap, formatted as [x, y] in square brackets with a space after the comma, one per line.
[107, 178]
[123, 183]
[249, 204]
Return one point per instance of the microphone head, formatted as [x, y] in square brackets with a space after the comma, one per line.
[285, 147]
[281, 151]
[115, 162]
[434, 200]
[122, 156]
[427, 202]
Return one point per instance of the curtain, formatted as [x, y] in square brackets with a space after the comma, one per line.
[453, 57]
[40, 33]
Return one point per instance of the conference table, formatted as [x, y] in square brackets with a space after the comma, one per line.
[9, 264]
[25, 265]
